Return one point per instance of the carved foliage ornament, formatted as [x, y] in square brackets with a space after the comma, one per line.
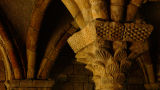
[102, 46]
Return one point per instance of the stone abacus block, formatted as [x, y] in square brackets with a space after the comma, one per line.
[123, 32]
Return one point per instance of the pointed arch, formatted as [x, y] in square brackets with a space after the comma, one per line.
[7, 65]
[32, 35]
[13, 70]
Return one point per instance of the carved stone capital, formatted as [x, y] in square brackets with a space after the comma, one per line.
[102, 46]
[108, 70]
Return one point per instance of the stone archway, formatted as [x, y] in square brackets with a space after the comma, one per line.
[2, 74]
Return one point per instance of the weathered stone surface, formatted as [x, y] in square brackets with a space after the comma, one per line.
[85, 8]
[25, 83]
[78, 86]
[68, 86]
[69, 70]
[79, 69]
[2, 74]
[117, 10]
[135, 87]
[108, 68]
[88, 86]
[150, 72]
[2, 70]
[78, 78]
[152, 86]
[118, 56]
[99, 9]
[12, 83]
[83, 38]
[131, 12]
[76, 13]
[34, 28]
[19, 13]
[30, 89]
[2, 86]
[9, 51]
[30, 84]
[31, 63]
[123, 31]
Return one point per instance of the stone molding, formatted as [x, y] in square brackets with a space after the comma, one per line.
[29, 84]
[109, 31]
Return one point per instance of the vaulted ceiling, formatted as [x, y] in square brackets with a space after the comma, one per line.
[45, 23]
[50, 19]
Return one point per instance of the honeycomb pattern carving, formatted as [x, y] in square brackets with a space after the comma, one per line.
[123, 32]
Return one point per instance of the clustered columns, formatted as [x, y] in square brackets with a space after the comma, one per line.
[102, 42]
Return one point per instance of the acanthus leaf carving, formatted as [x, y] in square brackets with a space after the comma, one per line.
[109, 60]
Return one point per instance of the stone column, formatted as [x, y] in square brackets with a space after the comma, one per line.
[102, 46]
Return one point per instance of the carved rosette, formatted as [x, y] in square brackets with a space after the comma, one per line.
[102, 46]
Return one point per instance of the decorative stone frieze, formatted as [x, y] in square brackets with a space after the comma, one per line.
[123, 32]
